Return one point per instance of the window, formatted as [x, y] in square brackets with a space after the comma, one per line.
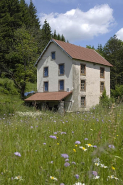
[53, 55]
[45, 71]
[45, 86]
[83, 103]
[83, 85]
[61, 85]
[61, 69]
[83, 69]
[102, 72]
[102, 87]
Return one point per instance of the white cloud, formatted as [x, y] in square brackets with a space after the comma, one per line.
[78, 25]
[120, 34]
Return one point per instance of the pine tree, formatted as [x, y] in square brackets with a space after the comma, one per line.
[46, 34]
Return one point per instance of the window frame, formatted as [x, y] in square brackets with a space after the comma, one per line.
[51, 55]
[103, 86]
[84, 85]
[43, 71]
[59, 69]
[83, 106]
[44, 86]
[83, 74]
[103, 72]
[59, 84]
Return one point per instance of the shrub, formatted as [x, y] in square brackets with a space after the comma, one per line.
[105, 101]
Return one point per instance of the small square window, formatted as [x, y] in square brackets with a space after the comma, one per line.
[61, 85]
[61, 69]
[102, 87]
[45, 71]
[53, 55]
[102, 72]
[83, 69]
[83, 103]
[45, 86]
[83, 85]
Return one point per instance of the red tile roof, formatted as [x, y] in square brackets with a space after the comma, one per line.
[81, 53]
[48, 96]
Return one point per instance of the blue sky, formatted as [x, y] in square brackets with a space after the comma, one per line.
[83, 22]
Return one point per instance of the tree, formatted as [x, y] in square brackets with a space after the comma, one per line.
[22, 55]
[46, 34]
[113, 52]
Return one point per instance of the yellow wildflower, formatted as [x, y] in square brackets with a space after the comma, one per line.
[113, 168]
[74, 150]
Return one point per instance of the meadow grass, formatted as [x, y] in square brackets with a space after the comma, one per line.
[31, 148]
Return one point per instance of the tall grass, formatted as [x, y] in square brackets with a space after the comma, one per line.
[39, 159]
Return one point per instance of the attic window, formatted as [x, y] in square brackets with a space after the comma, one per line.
[102, 70]
[53, 55]
[83, 69]
[45, 71]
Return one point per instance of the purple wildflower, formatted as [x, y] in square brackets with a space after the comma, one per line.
[54, 137]
[31, 127]
[111, 146]
[66, 164]
[86, 138]
[64, 155]
[66, 160]
[73, 162]
[62, 184]
[17, 154]
[55, 132]
[94, 146]
[77, 176]
[72, 132]
[94, 173]
[44, 143]
[77, 142]
[63, 133]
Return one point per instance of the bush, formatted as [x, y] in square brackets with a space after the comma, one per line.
[118, 92]
[7, 108]
[8, 87]
[105, 101]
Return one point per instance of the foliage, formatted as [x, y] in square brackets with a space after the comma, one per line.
[117, 92]
[105, 101]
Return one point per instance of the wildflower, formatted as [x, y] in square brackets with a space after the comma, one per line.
[54, 137]
[86, 138]
[94, 173]
[31, 127]
[57, 143]
[66, 164]
[77, 176]
[55, 132]
[113, 168]
[94, 146]
[62, 184]
[64, 155]
[18, 178]
[83, 148]
[97, 160]
[113, 177]
[103, 166]
[73, 162]
[97, 164]
[111, 146]
[89, 145]
[96, 177]
[17, 154]
[78, 142]
[51, 162]
[53, 178]
[79, 183]
[44, 143]
[74, 150]
[66, 160]
[63, 133]
[76, 145]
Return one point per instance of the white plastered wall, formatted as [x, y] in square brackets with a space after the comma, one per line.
[53, 65]
[93, 80]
